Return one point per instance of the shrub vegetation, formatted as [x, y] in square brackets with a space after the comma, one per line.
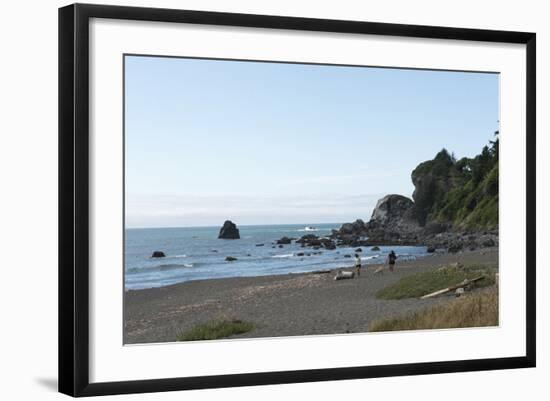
[419, 284]
[216, 329]
[478, 309]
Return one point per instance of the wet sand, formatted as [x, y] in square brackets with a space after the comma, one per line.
[283, 305]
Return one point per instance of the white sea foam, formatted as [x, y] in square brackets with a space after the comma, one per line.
[163, 267]
[287, 255]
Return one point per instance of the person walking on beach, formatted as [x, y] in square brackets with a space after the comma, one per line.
[391, 260]
[357, 265]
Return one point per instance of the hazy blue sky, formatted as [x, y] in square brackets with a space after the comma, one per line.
[265, 143]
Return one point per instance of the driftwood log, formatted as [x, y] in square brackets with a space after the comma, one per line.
[343, 275]
[454, 287]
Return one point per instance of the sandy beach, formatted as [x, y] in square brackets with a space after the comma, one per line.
[282, 305]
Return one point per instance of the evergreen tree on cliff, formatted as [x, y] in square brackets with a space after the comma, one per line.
[462, 193]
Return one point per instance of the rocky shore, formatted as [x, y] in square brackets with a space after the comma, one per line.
[393, 222]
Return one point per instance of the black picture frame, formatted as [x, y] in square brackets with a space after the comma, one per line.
[74, 198]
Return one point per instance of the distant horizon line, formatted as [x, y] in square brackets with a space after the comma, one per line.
[238, 225]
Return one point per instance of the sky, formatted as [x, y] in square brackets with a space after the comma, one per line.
[278, 143]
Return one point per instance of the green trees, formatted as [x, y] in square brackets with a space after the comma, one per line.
[463, 193]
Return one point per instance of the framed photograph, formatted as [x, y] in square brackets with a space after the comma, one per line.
[251, 199]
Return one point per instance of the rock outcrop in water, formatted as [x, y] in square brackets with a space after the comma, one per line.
[158, 254]
[229, 230]
[392, 222]
[284, 241]
[312, 240]
[395, 210]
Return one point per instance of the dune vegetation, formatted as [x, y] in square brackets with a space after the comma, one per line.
[478, 309]
[216, 329]
[419, 284]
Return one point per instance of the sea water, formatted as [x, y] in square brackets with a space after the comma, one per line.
[196, 253]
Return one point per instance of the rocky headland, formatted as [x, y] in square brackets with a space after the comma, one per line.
[454, 207]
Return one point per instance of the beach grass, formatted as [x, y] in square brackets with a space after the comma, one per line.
[473, 310]
[216, 329]
[419, 284]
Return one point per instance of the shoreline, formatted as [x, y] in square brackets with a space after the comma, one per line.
[281, 305]
[408, 263]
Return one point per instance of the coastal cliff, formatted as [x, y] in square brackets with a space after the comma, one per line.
[454, 206]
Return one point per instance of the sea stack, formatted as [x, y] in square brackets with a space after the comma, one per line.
[229, 230]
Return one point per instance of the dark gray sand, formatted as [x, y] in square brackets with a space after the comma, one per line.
[285, 305]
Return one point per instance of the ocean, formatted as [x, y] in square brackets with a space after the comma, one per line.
[196, 253]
